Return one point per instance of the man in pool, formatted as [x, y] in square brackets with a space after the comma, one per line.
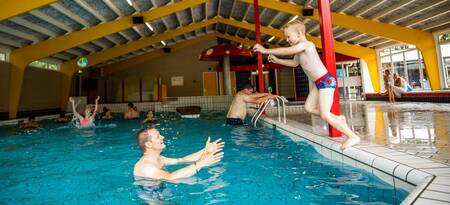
[30, 124]
[131, 113]
[152, 163]
[238, 109]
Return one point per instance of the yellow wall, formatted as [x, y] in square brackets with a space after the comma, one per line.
[41, 89]
[4, 86]
[183, 62]
[113, 89]
[132, 89]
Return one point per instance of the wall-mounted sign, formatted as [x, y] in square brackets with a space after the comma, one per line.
[177, 81]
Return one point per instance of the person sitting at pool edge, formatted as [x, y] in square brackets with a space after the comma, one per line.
[30, 124]
[62, 118]
[89, 117]
[151, 164]
[238, 109]
[131, 113]
[106, 114]
[149, 118]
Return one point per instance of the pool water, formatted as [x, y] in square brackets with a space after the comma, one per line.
[61, 164]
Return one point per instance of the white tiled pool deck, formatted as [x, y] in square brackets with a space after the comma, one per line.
[420, 129]
[405, 144]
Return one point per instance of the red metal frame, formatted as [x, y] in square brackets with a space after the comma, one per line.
[328, 54]
[252, 67]
[258, 41]
[217, 53]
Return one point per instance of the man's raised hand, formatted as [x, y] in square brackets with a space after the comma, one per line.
[213, 147]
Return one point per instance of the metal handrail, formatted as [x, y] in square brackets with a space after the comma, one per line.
[261, 109]
[261, 112]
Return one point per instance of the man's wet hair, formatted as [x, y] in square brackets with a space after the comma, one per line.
[130, 104]
[62, 114]
[141, 137]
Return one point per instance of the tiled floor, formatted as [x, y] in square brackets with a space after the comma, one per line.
[406, 141]
[421, 129]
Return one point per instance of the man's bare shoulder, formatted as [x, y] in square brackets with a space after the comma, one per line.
[144, 169]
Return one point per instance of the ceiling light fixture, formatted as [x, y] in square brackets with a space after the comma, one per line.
[129, 2]
[293, 18]
[149, 26]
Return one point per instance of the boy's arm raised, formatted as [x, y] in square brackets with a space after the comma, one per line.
[285, 62]
[283, 51]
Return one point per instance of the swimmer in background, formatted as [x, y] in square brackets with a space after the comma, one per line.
[149, 118]
[238, 108]
[62, 118]
[89, 116]
[106, 114]
[30, 124]
[131, 113]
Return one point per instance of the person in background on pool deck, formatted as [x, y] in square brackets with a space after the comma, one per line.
[30, 124]
[106, 114]
[238, 109]
[89, 117]
[62, 118]
[131, 113]
[400, 86]
[149, 118]
[389, 84]
[151, 164]
[320, 97]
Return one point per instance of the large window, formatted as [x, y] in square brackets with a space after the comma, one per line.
[45, 65]
[2, 56]
[444, 45]
[349, 80]
[407, 61]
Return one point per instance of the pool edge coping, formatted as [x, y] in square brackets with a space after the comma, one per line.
[421, 179]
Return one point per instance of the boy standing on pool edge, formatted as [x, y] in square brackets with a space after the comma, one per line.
[320, 97]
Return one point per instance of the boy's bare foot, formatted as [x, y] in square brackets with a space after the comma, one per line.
[350, 142]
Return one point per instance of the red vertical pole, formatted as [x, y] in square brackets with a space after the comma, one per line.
[258, 41]
[328, 55]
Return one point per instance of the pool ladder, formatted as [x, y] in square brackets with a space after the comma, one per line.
[261, 109]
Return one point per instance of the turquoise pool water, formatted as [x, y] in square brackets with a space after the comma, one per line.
[63, 165]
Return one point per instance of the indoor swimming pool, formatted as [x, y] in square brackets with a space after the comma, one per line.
[61, 164]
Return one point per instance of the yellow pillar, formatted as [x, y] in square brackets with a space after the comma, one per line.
[371, 61]
[380, 135]
[67, 71]
[17, 70]
[442, 131]
[430, 57]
